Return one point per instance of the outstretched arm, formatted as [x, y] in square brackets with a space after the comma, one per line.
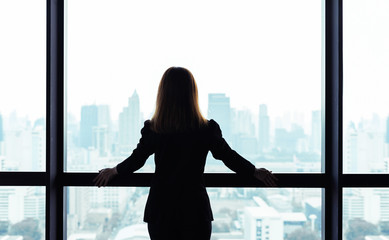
[135, 161]
[222, 151]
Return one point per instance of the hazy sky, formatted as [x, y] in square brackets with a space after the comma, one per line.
[254, 51]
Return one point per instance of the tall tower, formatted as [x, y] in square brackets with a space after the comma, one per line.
[89, 120]
[386, 135]
[219, 110]
[102, 137]
[1, 129]
[1, 136]
[263, 128]
[316, 131]
[129, 125]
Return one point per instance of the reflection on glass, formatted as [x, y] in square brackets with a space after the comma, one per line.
[366, 74]
[22, 213]
[22, 85]
[258, 66]
[239, 213]
[365, 213]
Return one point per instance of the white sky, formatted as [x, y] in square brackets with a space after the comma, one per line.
[254, 51]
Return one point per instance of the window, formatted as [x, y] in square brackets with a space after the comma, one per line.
[341, 195]
[366, 55]
[114, 212]
[22, 86]
[22, 211]
[365, 125]
[235, 51]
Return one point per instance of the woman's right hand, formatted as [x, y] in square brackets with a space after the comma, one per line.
[265, 176]
[105, 175]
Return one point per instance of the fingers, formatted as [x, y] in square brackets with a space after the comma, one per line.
[102, 179]
[99, 180]
[270, 181]
[266, 177]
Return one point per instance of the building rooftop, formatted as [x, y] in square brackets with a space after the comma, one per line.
[137, 231]
[83, 236]
[381, 237]
[314, 202]
[293, 217]
[262, 212]
[11, 237]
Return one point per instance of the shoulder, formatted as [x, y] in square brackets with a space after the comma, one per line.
[147, 123]
[213, 126]
[146, 127]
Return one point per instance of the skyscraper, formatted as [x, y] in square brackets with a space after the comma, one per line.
[1, 137]
[129, 125]
[102, 134]
[386, 135]
[89, 120]
[1, 130]
[316, 131]
[38, 149]
[263, 128]
[219, 110]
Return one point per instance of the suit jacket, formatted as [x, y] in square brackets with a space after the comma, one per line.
[177, 191]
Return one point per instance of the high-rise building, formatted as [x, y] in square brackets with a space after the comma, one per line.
[129, 125]
[242, 123]
[34, 203]
[12, 203]
[102, 133]
[387, 130]
[316, 131]
[263, 222]
[18, 135]
[78, 205]
[364, 150]
[89, 120]
[363, 204]
[263, 128]
[1, 137]
[350, 146]
[1, 129]
[100, 140]
[219, 110]
[38, 158]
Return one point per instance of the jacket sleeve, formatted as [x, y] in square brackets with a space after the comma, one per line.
[140, 154]
[222, 151]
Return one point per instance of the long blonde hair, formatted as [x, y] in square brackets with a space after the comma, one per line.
[177, 107]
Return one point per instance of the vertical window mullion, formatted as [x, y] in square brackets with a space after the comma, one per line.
[54, 112]
[333, 119]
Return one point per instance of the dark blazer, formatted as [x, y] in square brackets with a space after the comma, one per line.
[177, 191]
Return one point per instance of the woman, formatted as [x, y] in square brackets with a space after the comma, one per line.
[178, 205]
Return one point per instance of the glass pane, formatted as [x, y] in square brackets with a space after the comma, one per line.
[366, 74]
[365, 213]
[22, 213]
[22, 85]
[258, 66]
[239, 213]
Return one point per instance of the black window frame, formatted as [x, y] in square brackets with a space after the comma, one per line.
[332, 181]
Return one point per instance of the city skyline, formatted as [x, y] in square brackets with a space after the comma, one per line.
[265, 58]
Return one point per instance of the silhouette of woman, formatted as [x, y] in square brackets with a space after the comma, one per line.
[180, 137]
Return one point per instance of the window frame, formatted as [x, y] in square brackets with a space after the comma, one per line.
[332, 180]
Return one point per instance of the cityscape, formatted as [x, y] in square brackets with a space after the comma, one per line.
[269, 55]
[288, 143]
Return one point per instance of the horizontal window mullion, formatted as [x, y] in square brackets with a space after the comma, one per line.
[22, 178]
[211, 180]
[365, 180]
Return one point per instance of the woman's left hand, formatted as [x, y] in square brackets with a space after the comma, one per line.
[105, 175]
[265, 176]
